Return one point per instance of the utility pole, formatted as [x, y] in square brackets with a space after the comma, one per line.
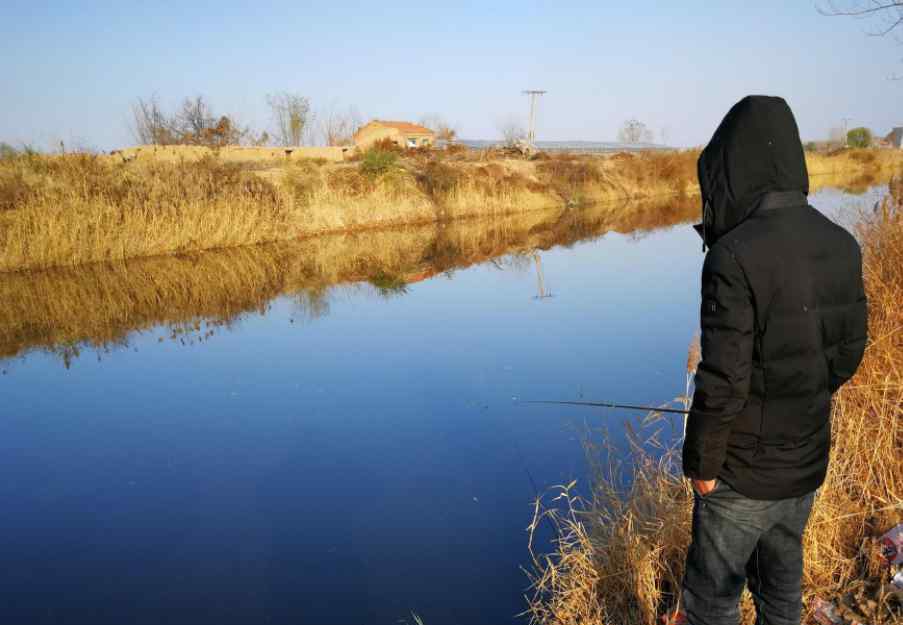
[531, 133]
[845, 121]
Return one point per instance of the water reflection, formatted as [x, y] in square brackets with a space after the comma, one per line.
[97, 307]
[351, 470]
[541, 292]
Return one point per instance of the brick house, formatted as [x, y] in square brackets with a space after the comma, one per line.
[404, 134]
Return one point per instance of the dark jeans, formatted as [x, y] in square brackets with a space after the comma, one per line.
[737, 540]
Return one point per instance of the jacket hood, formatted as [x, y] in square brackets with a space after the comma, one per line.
[755, 150]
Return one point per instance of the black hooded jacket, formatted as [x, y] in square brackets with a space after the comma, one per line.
[783, 311]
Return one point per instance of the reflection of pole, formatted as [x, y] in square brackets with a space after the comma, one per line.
[540, 284]
[531, 133]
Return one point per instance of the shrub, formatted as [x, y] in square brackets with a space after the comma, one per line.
[303, 178]
[569, 178]
[377, 161]
[14, 190]
[387, 145]
[456, 148]
[7, 151]
[863, 156]
[350, 181]
[859, 138]
[494, 180]
[438, 179]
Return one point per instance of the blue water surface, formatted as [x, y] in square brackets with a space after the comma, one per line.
[358, 467]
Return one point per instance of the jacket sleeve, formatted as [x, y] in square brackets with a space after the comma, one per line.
[855, 331]
[723, 377]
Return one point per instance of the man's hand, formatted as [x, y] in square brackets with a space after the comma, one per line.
[703, 487]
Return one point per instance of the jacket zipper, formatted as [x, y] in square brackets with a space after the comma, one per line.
[758, 449]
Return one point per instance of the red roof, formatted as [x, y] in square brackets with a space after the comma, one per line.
[405, 127]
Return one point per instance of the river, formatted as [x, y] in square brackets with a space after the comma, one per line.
[328, 431]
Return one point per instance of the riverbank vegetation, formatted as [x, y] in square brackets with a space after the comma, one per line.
[620, 555]
[79, 208]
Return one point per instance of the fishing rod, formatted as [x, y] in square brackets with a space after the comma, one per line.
[605, 404]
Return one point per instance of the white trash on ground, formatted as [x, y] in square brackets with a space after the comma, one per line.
[892, 545]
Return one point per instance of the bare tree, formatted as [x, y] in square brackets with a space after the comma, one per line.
[511, 130]
[290, 113]
[443, 130]
[150, 125]
[193, 124]
[225, 131]
[635, 131]
[337, 127]
[888, 14]
[260, 140]
[194, 118]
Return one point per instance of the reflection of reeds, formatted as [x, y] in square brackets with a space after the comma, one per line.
[100, 304]
[620, 557]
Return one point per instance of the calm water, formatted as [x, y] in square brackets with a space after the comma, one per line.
[300, 446]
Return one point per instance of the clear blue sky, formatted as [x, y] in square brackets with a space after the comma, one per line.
[71, 70]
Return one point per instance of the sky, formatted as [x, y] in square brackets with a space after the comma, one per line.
[72, 70]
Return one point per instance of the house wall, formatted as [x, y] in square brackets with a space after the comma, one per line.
[232, 153]
[370, 134]
[422, 140]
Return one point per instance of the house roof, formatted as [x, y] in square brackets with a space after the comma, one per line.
[405, 127]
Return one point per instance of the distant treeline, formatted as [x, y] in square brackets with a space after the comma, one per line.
[293, 123]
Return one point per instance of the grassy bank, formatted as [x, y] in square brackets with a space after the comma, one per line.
[99, 306]
[620, 556]
[75, 209]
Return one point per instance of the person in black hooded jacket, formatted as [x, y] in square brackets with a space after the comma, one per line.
[783, 319]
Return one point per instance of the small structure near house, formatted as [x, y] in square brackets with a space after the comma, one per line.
[404, 134]
[896, 137]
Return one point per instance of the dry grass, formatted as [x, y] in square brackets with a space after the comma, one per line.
[620, 556]
[877, 162]
[75, 209]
